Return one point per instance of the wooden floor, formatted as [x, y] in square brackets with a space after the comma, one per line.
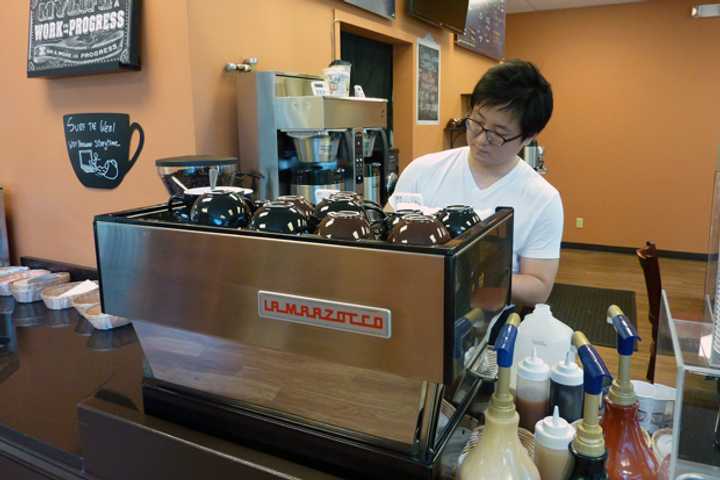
[683, 281]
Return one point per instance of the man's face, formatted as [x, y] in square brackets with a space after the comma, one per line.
[493, 136]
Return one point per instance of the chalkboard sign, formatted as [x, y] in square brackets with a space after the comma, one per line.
[428, 81]
[485, 28]
[79, 37]
[98, 145]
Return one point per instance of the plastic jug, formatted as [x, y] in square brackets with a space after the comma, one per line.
[541, 330]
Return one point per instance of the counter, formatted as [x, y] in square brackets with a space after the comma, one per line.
[71, 408]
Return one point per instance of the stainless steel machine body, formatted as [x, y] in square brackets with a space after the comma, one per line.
[271, 106]
[358, 343]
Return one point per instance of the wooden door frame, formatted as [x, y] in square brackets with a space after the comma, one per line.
[404, 67]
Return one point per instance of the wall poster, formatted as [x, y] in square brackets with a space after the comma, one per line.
[78, 37]
[428, 81]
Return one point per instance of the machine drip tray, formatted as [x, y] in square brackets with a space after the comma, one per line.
[303, 444]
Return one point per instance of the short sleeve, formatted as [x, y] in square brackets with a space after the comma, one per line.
[546, 233]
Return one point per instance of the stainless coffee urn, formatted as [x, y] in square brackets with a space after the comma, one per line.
[296, 143]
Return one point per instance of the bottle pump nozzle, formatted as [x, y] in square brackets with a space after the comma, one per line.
[621, 391]
[589, 439]
[501, 401]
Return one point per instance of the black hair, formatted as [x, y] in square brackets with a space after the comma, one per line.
[518, 87]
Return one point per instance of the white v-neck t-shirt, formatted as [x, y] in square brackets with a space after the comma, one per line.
[444, 178]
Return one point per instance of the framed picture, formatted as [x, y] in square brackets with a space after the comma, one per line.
[83, 37]
[485, 28]
[428, 81]
[384, 8]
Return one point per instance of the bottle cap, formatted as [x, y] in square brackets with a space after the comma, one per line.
[533, 368]
[567, 372]
[554, 432]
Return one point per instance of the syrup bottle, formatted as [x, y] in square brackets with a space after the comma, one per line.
[630, 457]
[588, 447]
[499, 455]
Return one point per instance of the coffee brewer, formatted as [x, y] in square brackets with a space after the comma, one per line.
[533, 153]
[298, 143]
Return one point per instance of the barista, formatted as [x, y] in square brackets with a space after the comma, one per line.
[511, 104]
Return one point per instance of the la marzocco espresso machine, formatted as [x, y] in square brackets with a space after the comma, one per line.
[296, 143]
[357, 358]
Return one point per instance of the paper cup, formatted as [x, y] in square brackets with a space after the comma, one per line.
[656, 405]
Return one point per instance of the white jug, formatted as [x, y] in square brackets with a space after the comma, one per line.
[542, 331]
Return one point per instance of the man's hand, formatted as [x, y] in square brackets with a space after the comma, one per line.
[534, 282]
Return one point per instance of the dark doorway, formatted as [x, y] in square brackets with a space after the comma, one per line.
[372, 67]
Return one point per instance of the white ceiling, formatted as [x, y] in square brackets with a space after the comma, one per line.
[517, 6]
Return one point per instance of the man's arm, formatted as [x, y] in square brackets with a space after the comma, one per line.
[535, 280]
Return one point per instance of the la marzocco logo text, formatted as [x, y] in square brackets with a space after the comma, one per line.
[326, 314]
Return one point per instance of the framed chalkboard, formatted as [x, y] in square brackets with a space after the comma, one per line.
[428, 81]
[98, 145]
[485, 28]
[80, 37]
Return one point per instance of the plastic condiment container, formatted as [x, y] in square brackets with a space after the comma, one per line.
[552, 456]
[533, 390]
[566, 387]
[542, 331]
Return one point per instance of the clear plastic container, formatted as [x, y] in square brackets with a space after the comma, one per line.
[179, 174]
[533, 391]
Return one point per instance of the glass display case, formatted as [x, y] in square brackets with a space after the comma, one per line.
[712, 285]
[696, 435]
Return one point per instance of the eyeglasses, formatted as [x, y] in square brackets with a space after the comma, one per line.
[475, 127]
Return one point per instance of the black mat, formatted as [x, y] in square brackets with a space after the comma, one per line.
[585, 309]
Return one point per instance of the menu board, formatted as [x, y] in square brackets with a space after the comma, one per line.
[98, 145]
[77, 37]
[485, 28]
[428, 81]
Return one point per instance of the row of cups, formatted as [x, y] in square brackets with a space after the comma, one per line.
[341, 216]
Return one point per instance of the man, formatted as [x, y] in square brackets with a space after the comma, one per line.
[511, 104]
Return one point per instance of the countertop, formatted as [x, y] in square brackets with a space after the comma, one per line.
[53, 360]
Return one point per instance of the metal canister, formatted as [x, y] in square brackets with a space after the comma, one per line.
[308, 181]
[373, 178]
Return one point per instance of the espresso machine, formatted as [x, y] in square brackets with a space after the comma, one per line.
[293, 142]
[332, 353]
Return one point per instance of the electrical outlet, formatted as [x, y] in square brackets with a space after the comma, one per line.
[579, 222]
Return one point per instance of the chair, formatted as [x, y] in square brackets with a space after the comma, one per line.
[651, 269]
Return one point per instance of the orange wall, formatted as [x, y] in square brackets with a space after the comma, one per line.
[634, 138]
[182, 98]
[51, 212]
[297, 36]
